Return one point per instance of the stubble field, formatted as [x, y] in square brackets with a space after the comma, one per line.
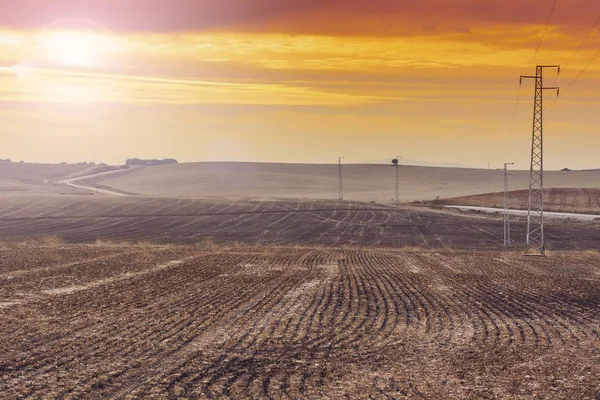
[239, 321]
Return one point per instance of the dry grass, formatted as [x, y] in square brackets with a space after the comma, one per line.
[52, 241]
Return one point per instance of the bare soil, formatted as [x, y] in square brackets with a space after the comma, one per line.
[584, 201]
[239, 321]
[84, 219]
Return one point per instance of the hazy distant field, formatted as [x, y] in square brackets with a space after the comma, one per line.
[39, 178]
[361, 182]
[297, 181]
[255, 212]
[206, 321]
[586, 201]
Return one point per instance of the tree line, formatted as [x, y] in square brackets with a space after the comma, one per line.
[151, 162]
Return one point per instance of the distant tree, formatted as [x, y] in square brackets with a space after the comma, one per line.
[565, 170]
[395, 161]
[149, 163]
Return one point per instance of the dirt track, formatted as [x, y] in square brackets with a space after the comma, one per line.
[292, 322]
[585, 201]
[82, 219]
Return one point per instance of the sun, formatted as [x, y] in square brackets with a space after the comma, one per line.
[73, 43]
[73, 48]
[64, 64]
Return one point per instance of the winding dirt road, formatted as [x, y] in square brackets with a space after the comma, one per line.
[71, 182]
[586, 217]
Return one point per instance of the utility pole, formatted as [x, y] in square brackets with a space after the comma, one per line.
[506, 214]
[340, 181]
[397, 191]
[535, 212]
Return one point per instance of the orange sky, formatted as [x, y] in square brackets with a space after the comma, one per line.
[298, 81]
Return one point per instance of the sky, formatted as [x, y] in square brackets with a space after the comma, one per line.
[297, 80]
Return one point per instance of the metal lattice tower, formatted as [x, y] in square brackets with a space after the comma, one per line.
[506, 208]
[340, 181]
[535, 213]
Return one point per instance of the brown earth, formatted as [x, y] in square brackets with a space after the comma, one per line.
[583, 201]
[84, 219]
[238, 321]
[289, 298]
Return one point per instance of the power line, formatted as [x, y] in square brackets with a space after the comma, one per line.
[512, 122]
[577, 51]
[543, 36]
[582, 71]
[571, 84]
[587, 36]
[583, 42]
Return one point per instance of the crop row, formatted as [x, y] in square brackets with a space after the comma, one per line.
[275, 322]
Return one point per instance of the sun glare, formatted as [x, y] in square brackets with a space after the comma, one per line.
[59, 62]
[73, 48]
[9, 39]
[71, 93]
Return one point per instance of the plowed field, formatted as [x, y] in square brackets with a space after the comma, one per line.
[296, 322]
[84, 219]
[584, 201]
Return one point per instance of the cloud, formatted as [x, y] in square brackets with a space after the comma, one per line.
[67, 86]
[456, 121]
[268, 69]
[342, 17]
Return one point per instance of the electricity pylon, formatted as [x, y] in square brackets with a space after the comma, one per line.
[340, 181]
[535, 211]
[506, 211]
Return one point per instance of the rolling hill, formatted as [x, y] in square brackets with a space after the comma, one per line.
[320, 181]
